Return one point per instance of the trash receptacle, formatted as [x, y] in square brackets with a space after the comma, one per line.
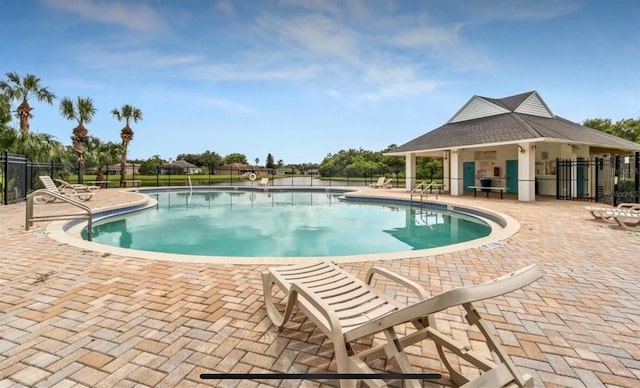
[485, 183]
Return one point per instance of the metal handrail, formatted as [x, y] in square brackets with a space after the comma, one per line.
[421, 188]
[30, 218]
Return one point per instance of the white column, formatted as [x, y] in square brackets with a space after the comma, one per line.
[446, 173]
[526, 172]
[410, 172]
[455, 160]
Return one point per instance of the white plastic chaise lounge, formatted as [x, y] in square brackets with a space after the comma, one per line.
[347, 310]
[62, 184]
[627, 219]
[380, 183]
[264, 182]
[67, 192]
[599, 213]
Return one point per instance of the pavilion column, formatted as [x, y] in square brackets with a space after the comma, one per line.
[526, 172]
[410, 171]
[446, 174]
[455, 161]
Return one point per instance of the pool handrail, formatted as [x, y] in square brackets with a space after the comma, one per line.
[30, 218]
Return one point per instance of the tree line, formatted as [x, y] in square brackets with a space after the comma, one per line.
[16, 89]
[628, 129]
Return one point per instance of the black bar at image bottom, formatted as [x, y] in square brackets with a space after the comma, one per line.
[320, 376]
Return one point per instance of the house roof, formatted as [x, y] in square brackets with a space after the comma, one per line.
[523, 117]
[179, 164]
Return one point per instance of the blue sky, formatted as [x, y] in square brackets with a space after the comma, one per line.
[303, 78]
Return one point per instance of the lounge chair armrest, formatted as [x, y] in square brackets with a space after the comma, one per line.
[410, 284]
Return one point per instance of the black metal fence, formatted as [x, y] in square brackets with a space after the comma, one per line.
[19, 176]
[611, 180]
[254, 177]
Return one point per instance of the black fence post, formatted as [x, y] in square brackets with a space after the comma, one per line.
[5, 178]
[616, 179]
[558, 175]
[596, 169]
[637, 177]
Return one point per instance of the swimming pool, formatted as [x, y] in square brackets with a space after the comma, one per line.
[240, 223]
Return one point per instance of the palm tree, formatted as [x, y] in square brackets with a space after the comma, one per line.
[126, 113]
[101, 154]
[39, 147]
[82, 112]
[7, 134]
[21, 89]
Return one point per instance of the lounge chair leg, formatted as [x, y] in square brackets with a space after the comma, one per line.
[456, 377]
[394, 349]
[343, 362]
[272, 312]
[474, 318]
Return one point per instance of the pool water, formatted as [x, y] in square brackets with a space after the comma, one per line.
[283, 224]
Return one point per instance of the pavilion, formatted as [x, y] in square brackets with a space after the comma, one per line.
[511, 141]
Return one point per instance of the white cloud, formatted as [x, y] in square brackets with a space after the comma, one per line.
[400, 90]
[324, 6]
[429, 36]
[251, 72]
[132, 15]
[138, 58]
[313, 33]
[226, 7]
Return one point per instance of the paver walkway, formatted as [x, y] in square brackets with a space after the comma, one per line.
[71, 317]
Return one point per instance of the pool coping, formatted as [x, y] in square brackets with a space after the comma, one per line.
[502, 226]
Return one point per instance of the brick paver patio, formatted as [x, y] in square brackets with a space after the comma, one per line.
[72, 317]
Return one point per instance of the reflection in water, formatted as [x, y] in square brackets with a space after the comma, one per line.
[113, 231]
[126, 238]
[427, 228]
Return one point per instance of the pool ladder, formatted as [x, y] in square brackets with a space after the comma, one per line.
[424, 190]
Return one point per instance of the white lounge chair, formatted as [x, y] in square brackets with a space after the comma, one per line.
[66, 191]
[599, 213]
[62, 184]
[627, 219]
[264, 182]
[347, 309]
[379, 184]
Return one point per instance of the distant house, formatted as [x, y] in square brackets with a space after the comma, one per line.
[240, 169]
[179, 167]
[284, 171]
[513, 142]
[114, 169]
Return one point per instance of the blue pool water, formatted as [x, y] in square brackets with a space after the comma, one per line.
[283, 224]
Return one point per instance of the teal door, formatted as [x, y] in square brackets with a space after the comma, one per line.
[469, 175]
[580, 177]
[512, 176]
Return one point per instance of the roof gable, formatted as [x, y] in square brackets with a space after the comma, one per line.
[528, 103]
[476, 108]
[534, 106]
